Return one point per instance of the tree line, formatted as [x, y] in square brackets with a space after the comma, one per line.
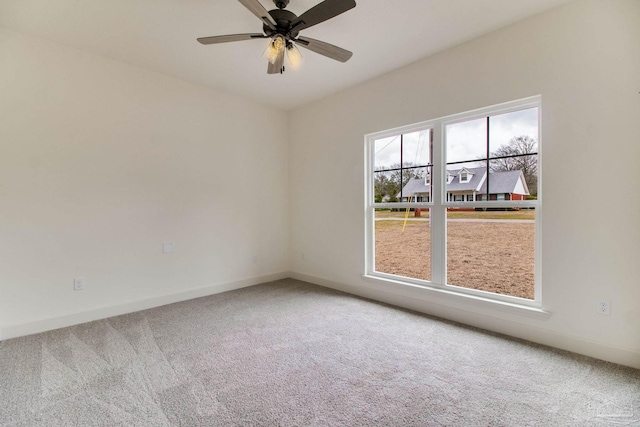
[388, 181]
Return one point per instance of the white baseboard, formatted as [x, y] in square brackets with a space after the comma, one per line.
[70, 319]
[466, 315]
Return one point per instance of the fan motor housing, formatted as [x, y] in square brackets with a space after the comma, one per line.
[283, 20]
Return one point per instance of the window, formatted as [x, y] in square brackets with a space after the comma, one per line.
[401, 163]
[477, 234]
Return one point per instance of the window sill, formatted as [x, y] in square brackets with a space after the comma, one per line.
[453, 299]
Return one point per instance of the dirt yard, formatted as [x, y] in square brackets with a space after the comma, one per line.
[490, 256]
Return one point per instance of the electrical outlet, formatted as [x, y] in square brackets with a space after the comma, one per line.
[603, 307]
[78, 284]
[167, 248]
[254, 259]
[303, 256]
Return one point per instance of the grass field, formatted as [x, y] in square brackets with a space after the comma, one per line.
[491, 256]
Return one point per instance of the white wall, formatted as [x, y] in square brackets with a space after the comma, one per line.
[100, 163]
[583, 59]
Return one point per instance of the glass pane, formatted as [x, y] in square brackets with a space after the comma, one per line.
[416, 185]
[402, 167]
[415, 148]
[515, 134]
[503, 128]
[514, 178]
[386, 186]
[387, 153]
[403, 242]
[492, 250]
[466, 141]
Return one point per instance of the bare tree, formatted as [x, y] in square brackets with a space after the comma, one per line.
[525, 148]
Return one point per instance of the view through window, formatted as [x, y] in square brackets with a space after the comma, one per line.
[452, 202]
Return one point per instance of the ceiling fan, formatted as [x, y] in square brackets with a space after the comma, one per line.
[283, 28]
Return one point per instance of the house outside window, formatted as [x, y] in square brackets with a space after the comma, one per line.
[450, 232]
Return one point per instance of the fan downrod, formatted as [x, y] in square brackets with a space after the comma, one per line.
[281, 4]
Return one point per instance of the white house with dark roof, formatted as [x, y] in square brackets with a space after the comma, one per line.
[470, 185]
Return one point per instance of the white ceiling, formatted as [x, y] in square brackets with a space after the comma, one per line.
[160, 35]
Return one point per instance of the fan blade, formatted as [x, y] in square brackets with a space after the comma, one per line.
[257, 9]
[321, 12]
[326, 49]
[276, 67]
[230, 38]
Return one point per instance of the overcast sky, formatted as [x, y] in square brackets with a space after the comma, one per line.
[465, 141]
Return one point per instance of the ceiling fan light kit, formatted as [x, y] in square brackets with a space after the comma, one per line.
[283, 27]
[274, 48]
[294, 56]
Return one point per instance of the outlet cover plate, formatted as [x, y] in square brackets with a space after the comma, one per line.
[603, 307]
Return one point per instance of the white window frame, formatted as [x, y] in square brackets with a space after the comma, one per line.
[439, 205]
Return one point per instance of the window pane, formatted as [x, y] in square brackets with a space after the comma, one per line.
[387, 153]
[415, 148]
[466, 141]
[514, 178]
[492, 250]
[403, 243]
[505, 127]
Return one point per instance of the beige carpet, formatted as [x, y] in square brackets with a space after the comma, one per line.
[292, 354]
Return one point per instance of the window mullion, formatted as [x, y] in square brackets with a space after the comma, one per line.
[438, 211]
[488, 159]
